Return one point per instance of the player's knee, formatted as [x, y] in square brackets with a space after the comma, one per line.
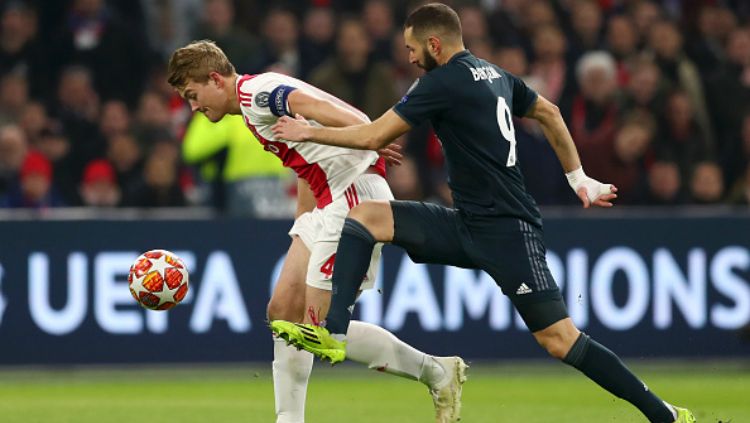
[555, 344]
[557, 350]
[373, 215]
[273, 310]
[558, 338]
[279, 310]
[364, 213]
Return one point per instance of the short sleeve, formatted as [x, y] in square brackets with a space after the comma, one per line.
[424, 100]
[523, 96]
[263, 98]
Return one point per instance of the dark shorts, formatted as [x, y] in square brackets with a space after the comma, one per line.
[510, 250]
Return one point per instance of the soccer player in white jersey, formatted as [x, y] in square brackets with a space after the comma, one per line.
[332, 180]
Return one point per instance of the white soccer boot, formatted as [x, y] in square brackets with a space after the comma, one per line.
[446, 395]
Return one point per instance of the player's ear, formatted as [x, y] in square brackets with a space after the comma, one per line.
[217, 78]
[433, 43]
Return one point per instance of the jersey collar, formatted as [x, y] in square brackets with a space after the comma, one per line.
[459, 55]
[242, 79]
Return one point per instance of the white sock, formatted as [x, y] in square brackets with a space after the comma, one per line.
[672, 409]
[291, 371]
[381, 350]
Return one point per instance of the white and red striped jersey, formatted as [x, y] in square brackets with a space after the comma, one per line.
[329, 170]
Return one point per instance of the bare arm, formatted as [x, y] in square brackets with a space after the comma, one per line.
[322, 111]
[369, 136]
[554, 128]
[328, 113]
[305, 198]
[590, 191]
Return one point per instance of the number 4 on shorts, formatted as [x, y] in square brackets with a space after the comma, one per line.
[327, 267]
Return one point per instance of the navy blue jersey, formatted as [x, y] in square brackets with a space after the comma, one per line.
[470, 104]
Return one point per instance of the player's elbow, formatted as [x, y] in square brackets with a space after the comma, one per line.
[544, 111]
[554, 111]
[549, 112]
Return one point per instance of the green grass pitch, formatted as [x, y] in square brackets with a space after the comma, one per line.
[528, 393]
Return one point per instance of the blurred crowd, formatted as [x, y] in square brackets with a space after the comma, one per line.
[656, 95]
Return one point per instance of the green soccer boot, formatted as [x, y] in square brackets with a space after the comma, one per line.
[312, 338]
[684, 415]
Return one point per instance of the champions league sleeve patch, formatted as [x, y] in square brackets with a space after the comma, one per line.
[406, 96]
[277, 101]
[261, 99]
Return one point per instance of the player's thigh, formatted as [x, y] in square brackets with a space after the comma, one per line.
[369, 188]
[374, 210]
[430, 233]
[319, 281]
[323, 260]
[377, 217]
[512, 251]
[288, 298]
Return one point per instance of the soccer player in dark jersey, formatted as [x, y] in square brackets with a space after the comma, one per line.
[495, 225]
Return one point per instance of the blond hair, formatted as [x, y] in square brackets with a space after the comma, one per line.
[195, 61]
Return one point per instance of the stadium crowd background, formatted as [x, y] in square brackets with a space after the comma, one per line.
[656, 95]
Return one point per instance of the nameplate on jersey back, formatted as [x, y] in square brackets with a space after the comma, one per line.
[485, 73]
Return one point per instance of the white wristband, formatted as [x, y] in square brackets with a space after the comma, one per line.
[575, 178]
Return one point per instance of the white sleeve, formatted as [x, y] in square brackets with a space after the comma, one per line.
[263, 99]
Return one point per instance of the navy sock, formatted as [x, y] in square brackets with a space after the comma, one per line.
[608, 371]
[352, 260]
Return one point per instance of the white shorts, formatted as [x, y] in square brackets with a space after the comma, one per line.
[320, 230]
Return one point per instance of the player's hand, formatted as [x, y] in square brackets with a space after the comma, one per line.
[590, 191]
[392, 154]
[297, 129]
[595, 193]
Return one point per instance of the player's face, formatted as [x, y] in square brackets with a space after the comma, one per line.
[207, 97]
[419, 53]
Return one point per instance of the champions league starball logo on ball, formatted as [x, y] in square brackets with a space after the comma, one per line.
[158, 280]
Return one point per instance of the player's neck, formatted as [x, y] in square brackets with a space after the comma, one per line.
[234, 102]
[449, 52]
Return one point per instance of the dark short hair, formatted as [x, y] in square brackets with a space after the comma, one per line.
[434, 19]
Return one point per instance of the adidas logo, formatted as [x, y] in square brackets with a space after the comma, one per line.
[523, 289]
[308, 334]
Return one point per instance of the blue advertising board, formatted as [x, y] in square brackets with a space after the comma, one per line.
[644, 286]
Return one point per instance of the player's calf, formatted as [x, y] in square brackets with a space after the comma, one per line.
[290, 310]
[606, 369]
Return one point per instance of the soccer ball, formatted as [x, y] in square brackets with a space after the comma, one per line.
[158, 280]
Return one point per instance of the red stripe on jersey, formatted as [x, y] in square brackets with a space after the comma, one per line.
[352, 198]
[310, 172]
[379, 167]
[354, 194]
[349, 198]
[244, 78]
